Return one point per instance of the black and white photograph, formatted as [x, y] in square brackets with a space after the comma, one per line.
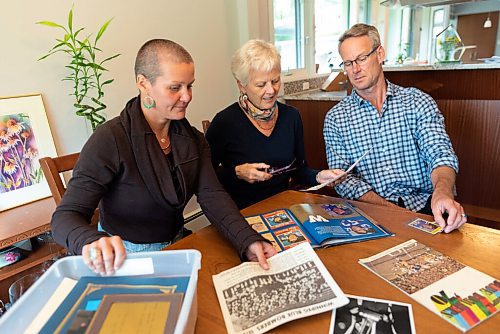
[372, 316]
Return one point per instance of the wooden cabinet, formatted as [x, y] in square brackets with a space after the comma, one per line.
[313, 116]
[470, 103]
[24, 222]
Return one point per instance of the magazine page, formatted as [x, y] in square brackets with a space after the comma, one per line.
[329, 223]
[297, 285]
[370, 315]
[460, 294]
[281, 228]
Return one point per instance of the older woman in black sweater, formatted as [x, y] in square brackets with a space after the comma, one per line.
[142, 167]
[253, 137]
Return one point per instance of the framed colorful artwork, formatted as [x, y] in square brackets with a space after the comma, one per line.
[24, 138]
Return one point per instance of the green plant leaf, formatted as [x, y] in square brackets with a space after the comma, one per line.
[97, 66]
[50, 24]
[107, 82]
[70, 19]
[102, 30]
[57, 46]
[109, 58]
[77, 32]
[48, 54]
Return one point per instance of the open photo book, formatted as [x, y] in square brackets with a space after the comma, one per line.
[297, 285]
[321, 225]
[458, 293]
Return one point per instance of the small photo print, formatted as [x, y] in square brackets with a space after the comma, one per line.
[290, 237]
[338, 209]
[357, 227]
[271, 238]
[257, 223]
[426, 226]
[367, 315]
[278, 218]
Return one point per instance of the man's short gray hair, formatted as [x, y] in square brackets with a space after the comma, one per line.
[152, 52]
[257, 55]
[359, 30]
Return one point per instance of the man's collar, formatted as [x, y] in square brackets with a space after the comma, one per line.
[390, 91]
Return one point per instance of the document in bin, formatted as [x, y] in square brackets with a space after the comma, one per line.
[61, 292]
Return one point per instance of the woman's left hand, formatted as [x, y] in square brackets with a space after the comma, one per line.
[260, 251]
[335, 176]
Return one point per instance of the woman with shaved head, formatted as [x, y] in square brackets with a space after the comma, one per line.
[142, 167]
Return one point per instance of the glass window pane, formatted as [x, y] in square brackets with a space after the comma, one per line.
[438, 22]
[288, 32]
[330, 22]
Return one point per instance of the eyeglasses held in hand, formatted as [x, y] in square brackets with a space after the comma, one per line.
[360, 60]
[281, 170]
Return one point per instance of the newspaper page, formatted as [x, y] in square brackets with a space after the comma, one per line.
[297, 285]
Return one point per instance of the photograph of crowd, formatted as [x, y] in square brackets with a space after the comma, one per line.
[366, 315]
[414, 267]
[259, 298]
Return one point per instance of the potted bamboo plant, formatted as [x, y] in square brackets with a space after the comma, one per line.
[86, 71]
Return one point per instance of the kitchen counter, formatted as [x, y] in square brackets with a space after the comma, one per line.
[441, 66]
[451, 76]
[317, 95]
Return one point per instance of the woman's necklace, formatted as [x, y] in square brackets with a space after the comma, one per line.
[162, 141]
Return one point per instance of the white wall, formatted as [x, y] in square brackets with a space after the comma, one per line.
[208, 29]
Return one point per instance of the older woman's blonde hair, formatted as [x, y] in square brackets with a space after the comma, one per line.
[257, 55]
[359, 30]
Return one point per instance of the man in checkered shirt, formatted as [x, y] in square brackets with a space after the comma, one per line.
[411, 162]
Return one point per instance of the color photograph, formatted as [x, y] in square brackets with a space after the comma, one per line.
[277, 219]
[290, 237]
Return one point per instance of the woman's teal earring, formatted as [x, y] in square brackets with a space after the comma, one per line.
[148, 102]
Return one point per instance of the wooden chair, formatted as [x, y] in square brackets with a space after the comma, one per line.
[52, 168]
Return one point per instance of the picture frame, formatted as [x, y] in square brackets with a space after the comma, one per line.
[25, 137]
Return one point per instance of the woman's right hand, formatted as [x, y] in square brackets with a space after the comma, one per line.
[253, 172]
[104, 256]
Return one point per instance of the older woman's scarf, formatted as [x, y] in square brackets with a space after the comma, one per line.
[254, 112]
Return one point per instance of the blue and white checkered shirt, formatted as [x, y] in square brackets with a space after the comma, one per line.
[408, 141]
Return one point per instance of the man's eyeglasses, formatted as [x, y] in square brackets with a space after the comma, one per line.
[360, 60]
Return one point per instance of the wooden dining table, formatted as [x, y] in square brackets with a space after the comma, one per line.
[474, 246]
